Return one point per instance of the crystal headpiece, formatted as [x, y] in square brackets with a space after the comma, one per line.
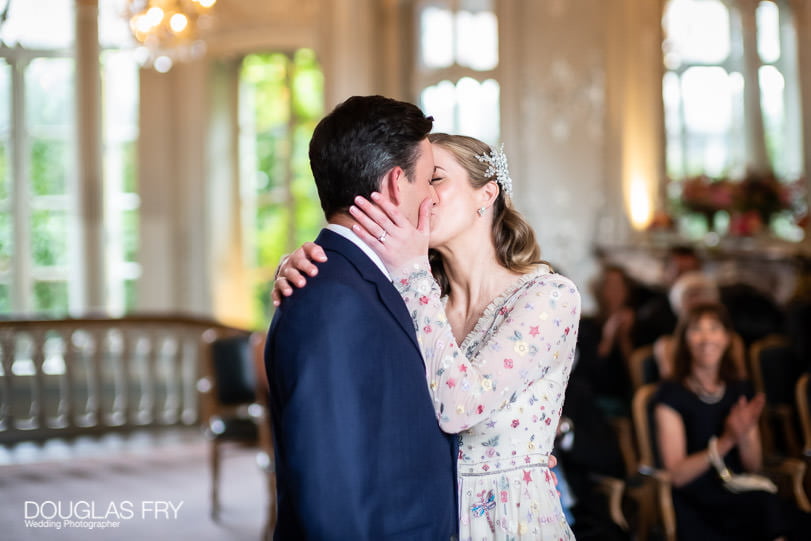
[497, 166]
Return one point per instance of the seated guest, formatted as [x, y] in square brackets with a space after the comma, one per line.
[706, 414]
[655, 317]
[689, 290]
[605, 342]
[587, 447]
[754, 313]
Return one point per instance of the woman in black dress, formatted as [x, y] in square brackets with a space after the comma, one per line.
[703, 399]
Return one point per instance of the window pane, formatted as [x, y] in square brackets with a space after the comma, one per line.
[40, 24]
[51, 297]
[50, 118]
[768, 31]
[129, 233]
[477, 40]
[772, 87]
[114, 30]
[478, 109]
[308, 86]
[671, 90]
[5, 299]
[436, 37]
[697, 31]
[49, 230]
[6, 248]
[439, 101]
[49, 85]
[48, 167]
[706, 99]
[5, 129]
[119, 83]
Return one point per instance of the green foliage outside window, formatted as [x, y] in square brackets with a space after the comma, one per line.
[5, 299]
[4, 173]
[51, 297]
[287, 95]
[49, 237]
[5, 242]
[48, 167]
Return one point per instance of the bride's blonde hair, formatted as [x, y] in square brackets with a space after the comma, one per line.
[513, 238]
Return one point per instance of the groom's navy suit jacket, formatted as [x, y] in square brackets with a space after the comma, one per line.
[359, 453]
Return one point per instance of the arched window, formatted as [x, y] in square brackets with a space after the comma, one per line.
[455, 76]
[732, 114]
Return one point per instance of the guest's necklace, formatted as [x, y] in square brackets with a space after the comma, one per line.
[705, 395]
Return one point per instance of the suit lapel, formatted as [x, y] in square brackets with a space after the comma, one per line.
[331, 241]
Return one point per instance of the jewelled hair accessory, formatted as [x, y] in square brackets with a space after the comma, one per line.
[497, 166]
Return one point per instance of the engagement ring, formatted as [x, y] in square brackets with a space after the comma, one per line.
[382, 238]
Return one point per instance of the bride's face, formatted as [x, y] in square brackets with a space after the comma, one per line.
[707, 339]
[455, 210]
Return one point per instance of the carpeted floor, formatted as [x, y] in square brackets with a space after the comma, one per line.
[154, 488]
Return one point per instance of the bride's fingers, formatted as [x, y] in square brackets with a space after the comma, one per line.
[374, 212]
[367, 237]
[390, 209]
[375, 229]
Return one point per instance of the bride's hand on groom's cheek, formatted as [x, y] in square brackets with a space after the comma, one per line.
[293, 269]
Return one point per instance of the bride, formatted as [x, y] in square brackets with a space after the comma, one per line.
[497, 329]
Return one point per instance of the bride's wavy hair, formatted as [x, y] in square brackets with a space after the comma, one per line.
[514, 239]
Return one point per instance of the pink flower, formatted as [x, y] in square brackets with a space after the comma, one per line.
[504, 495]
[404, 281]
[548, 421]
[463, 369]
[516, 422]
[508, 363]
[485, 467]
[427, 329]
[479, 409]
[423, 300]
[451, 383]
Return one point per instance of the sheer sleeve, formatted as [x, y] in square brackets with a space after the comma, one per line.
[531, 335]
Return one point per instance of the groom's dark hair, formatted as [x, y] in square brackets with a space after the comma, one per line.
[358, 142]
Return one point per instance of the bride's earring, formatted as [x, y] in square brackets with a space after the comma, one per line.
[481, 211]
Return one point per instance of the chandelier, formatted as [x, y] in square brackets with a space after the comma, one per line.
[168, 31]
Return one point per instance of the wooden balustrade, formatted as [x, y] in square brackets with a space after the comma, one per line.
[89, 375]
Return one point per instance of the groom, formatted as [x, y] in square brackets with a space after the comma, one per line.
[359, 453]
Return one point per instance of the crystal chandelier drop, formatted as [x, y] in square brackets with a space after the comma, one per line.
[168, 31]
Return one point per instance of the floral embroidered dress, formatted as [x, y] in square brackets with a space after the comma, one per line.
[502, 390]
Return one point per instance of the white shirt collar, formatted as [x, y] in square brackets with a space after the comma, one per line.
[350, 235]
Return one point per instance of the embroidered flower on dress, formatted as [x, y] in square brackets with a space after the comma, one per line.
[521, 347]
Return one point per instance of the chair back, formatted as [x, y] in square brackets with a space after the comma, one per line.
[774, 373]
[803, 397]
[773, 369]
[642, 411]
[233, 367]
[642, 367]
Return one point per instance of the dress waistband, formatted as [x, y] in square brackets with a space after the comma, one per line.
[537, 460]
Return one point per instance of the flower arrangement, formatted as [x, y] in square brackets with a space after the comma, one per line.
[751, 202]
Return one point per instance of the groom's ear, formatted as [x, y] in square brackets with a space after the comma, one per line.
[390, 186]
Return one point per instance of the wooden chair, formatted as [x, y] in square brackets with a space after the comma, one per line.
[774, 373]
[661, 499]
[803, 400]
[642, 367]
[230, 413]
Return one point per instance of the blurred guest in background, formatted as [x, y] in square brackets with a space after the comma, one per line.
[707, 423]
[655, 316]
[606, 342]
